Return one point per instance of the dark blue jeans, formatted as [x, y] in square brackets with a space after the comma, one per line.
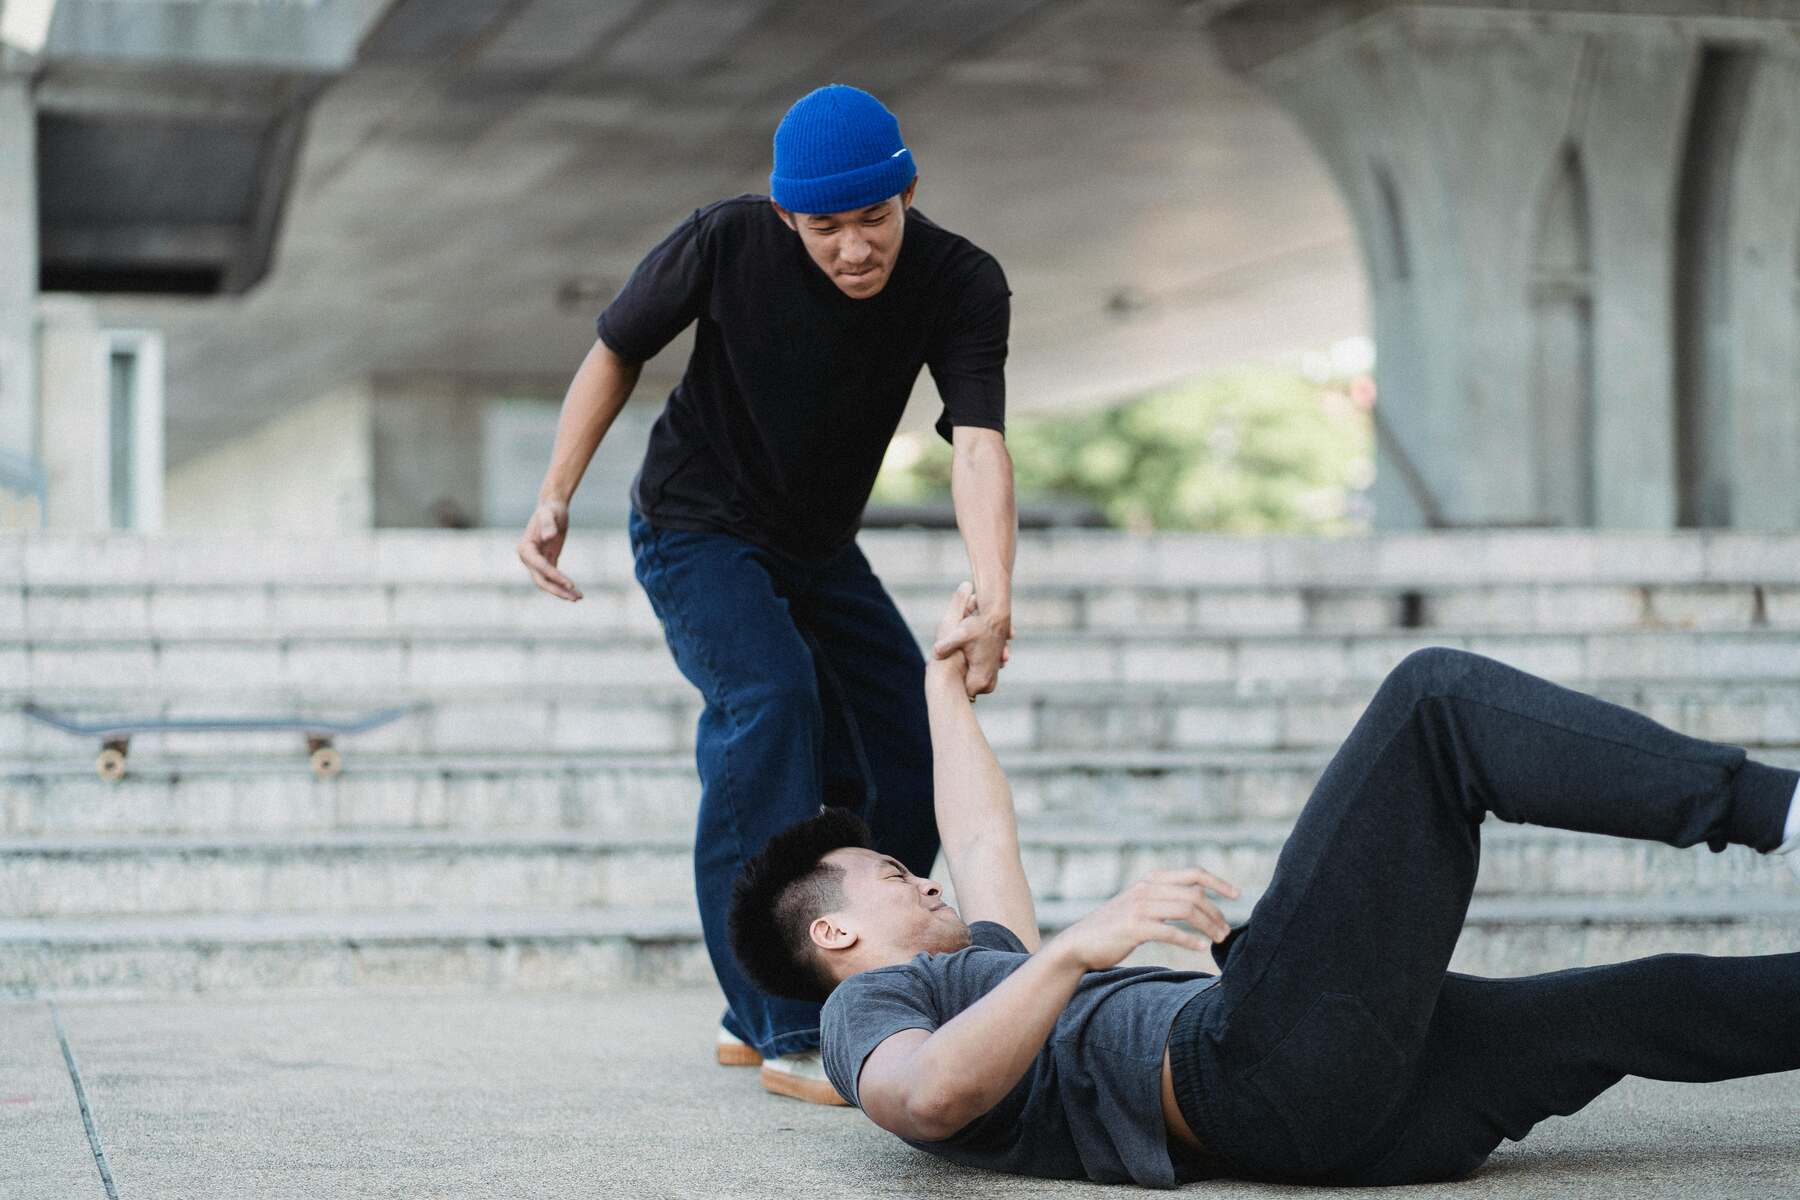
[815, 694]
[1336, 1048]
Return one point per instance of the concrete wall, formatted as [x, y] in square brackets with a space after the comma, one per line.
[308, 472]
[414, 451]
[517, 438]
[426, 447]
[478, 446]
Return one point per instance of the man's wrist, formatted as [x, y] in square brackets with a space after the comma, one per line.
[995, 605]
[1058, 957]
[945, 673]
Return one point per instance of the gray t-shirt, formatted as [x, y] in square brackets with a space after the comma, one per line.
[1089, 1105]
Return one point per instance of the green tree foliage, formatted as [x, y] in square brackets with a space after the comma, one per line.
[1254, 450]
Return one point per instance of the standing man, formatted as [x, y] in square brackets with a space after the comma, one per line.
[815, 308]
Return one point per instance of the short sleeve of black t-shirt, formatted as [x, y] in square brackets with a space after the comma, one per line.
[793, 390]
[969, 368]
[665, 294]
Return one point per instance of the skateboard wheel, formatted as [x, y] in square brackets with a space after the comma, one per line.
[326, 762]
[111, 764]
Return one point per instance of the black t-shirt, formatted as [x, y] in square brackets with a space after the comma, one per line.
[793, 390]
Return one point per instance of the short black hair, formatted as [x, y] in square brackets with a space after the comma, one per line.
[779, 894]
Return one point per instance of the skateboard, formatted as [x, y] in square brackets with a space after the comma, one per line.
[115, 736]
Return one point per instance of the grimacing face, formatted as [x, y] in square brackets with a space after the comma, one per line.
[856, 248]
[889, 914]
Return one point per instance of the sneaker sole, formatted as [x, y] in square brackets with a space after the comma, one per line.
[739, 1055]
[813, 1091]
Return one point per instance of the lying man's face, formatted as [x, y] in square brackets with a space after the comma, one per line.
[888, 915]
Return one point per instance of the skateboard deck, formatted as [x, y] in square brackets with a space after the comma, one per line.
[115, 735]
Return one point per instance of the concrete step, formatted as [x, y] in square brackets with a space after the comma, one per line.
[268, 875]
[198, 666]
[598, 950]
[613, 795]
[661, 719]
[51, 611]
[597, 557]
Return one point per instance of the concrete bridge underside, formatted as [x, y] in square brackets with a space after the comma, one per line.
[1574, 217]
[475, 179]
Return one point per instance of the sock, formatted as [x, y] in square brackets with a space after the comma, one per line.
[1790, 833]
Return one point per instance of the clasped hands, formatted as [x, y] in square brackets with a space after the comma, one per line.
[973, 640]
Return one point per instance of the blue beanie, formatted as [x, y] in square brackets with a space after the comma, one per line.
[838, 148]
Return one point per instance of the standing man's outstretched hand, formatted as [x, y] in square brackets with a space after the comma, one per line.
[981, 637]
[541, 545]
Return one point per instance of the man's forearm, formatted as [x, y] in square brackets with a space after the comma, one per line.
[972, 799]
[981, 488]
[596, 394]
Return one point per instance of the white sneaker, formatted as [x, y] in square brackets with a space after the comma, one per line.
[800, 1075]
[733, 1051]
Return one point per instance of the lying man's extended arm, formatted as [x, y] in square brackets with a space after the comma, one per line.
[973, 801]
[926, 1086]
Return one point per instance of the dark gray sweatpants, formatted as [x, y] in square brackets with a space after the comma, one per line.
[1337, 1048]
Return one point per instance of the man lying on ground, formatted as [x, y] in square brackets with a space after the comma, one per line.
[1334, 1046]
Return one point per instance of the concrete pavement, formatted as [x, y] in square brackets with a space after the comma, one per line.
[564, 1095]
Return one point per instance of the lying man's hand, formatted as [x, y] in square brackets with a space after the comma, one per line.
[1141, 913]
[962, 603]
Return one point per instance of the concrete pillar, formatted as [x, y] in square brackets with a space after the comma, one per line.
[1763, 347]
[72, 369]
[18, 264]
[1580, 242]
